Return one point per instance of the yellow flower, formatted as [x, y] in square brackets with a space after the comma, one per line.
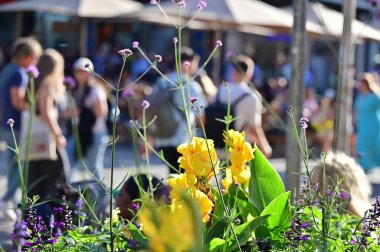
[240, 174]
[241, 152]
[114, 217]
[195, 158]
[227, 181]
[180, 184]
[168, 227]
[205, 204]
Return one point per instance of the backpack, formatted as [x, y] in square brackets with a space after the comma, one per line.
[162, 108]
[215, 112]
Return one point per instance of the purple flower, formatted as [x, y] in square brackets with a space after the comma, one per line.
[345, 195]
[158, 57]
[127, 93]
[135, 44]
[32, 71]
[304, 237]
[125, 52]
[11, 122]
[305, 225]
[193, 100]
[186, 64]
[353, 242]
[219, 43]
[145, 104]
[135, 207]
[153, 1]
[201, 5]
[69, 82]
[175, 40]
[304, 122]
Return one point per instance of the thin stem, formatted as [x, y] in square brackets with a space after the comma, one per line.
[147, 153]
[167, 17]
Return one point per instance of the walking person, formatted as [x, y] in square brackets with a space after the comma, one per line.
[13, 85]
[45, 176]
[367, 121]
[91, 102]
[248, 109]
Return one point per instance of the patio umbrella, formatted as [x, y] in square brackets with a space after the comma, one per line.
[77, 8]
[222, 14]
[331, 23]
[84, 9]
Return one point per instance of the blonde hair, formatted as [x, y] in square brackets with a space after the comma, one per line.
[25, 46]
[51, 68]
[340, 167]
[370, 79]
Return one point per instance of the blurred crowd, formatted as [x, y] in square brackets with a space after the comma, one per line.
[75, 98]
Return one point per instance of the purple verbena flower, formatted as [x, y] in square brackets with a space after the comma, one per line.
[175, 40]
[145, 104]
[201, 5]
[69, 82]
[186, 64]
[219, 43]
[127, 93]
[135, 44]
[304, 122]
[32, 70]
[181, 3]
[11, 122]
[135, 207]
[193, 100]
[304, 237]
[125, 52]
[153, 2]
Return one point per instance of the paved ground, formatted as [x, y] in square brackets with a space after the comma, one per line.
[124, 164]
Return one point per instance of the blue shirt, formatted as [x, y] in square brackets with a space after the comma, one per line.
[12, 76]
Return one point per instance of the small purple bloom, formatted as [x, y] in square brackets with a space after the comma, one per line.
[186, 64]
[135, 44]
[353, 242]
[305, 225]
[175, 40]
[127, 93]
[145, 104]
[193, 100]
[69, 82]
[201, 5]
[125, 52]
[158, 57]
[11, 122]
[135, 207]
[33, 71]
[153, 2]
[219, 43]
[181, 3]
[345, 195]
[304, 122]
[304, 237]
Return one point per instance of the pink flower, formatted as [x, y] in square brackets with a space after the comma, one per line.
[153, 1]
[304, 122]
[145, 104]
[135, 44]
[32, 71]
[125, 52]
[175, 40]
[11, 122]
[219, 43]
[158, 57]
[201, 5]
[186, 64]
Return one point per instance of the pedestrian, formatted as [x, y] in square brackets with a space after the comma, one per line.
[182, 134]
[367, 121]
[13, 85]
[45, 176]
[248, 110]
[91, 103]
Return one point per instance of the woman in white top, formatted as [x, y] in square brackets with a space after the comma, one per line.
[91, 102]
[45, 176]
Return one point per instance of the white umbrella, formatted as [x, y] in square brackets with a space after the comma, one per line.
[78, 8]
[331, 23]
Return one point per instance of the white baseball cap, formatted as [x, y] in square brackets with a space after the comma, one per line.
[84, 64]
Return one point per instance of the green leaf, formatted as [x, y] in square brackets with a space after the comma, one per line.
[245, 230]
[216, 243]
[279, 219]
[216, 230]
[265, 184]
[137, 236]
